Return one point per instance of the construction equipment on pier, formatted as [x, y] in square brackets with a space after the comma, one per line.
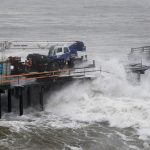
[65, 62]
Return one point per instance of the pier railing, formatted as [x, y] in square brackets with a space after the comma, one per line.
[22, 79]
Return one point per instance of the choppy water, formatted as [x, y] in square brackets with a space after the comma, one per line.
[108, 113]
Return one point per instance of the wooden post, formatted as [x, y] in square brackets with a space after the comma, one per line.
[9, 100]
[29, 96]
[1, 91]
[138, 76]
[21, 101]
[93, 63]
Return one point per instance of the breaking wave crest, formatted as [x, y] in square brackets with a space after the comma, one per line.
[110, 97]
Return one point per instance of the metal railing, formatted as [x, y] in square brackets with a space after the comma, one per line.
[28, 77]
[141, 49]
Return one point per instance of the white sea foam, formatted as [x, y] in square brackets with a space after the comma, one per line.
[108, 98]
[72, 147]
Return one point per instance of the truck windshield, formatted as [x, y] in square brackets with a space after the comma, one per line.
[59, 50]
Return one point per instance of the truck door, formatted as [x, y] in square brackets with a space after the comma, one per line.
[66, 50]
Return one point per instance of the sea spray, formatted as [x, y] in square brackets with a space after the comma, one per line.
[110, 98]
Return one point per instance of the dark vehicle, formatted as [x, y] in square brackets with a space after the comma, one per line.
[41, 63]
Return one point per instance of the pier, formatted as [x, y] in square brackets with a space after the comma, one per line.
[23, 86]
[38, 73]
[137, 69]
[21, 80]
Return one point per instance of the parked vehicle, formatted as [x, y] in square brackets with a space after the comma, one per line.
[68, 51]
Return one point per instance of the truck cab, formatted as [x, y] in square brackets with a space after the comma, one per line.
[59, 52]
[67, 51]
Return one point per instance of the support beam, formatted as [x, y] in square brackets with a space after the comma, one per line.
[93, 63]
[28, 96]
[1, 91]
[41, 98]
[138, 76]
[9, 100]
[20, 101]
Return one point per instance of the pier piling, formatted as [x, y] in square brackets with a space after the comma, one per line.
[138, 76]
[1, 91]
[20, 101]
[9, 100]
[0, 106]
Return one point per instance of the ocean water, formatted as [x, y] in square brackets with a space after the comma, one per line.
[108, 113]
